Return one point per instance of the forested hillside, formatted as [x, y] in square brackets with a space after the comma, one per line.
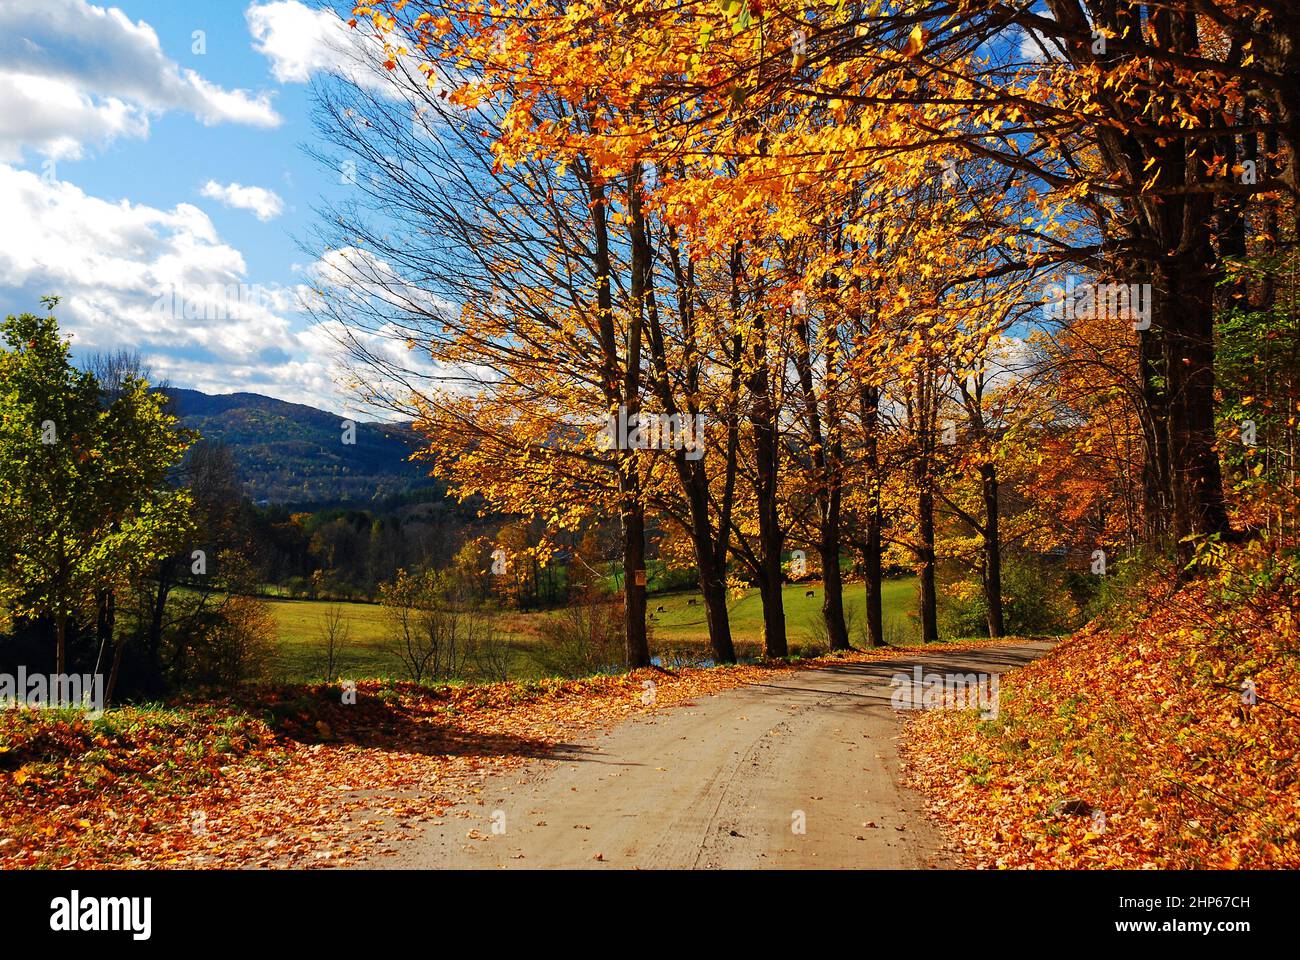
[293, 453]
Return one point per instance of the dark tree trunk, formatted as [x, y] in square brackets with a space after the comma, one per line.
[771, 538]
[634, 576]
[157, 615]
[61, 643]
[714, 589]
[874, 547]
[875, 581]
[767, 453]
[832, 582]
[1193, 494]
[710, 558]
[1172, 226]
[711, 567]
[825, 463]
[774, 640]
[713, 578]
[929, 597]
[923, 413]
[621, 387]
[119, 648]
[992, 572]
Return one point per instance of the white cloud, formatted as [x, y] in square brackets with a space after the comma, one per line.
[1038, 47]
[264, 204]
[363, 282]
[300, 40]
[72, 73]
[54, 118]
[161, 282]
[364, 288]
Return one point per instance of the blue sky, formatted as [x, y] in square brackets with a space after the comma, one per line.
[132, 165]
[181, 153]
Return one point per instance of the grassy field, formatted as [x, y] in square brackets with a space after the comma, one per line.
[680, 626]
[681, 622]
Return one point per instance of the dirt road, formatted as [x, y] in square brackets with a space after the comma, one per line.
[800, 772]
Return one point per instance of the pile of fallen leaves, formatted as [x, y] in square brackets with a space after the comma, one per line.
[1138, 746]
[296, 776]
[75, 789]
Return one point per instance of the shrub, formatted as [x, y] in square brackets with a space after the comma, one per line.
[434, 631]
[239, 645]
[583, 638]
[1035, 601]
[1111, 598]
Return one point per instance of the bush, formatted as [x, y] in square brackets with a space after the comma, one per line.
[583, 638]
[1110, 599]
[435, 631]
[491, 657]
[664, 578]
[1035, 601]
[297, 587]
[237, 645]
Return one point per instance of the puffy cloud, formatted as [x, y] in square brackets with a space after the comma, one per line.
[301, 40]
[161, 282]
[54, 118]
[73, 73]
[264, 204]
[379, 304]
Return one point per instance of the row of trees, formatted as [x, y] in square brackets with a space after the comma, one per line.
[347, 553]
[814, 243]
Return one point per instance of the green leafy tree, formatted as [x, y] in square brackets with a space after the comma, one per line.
[84, 505]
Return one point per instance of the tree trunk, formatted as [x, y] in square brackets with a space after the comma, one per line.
[924, 414]
[837, 630]
[61, 644]
[713, 587]
[869, 400]
[774, 639]
[710, 560]
[825, 464]
[1183, 481]
[770, 539]
[767, 453]
[157, 616]
[875, 581]
[634, 592]
[992, 572]
[929, 598]
[621, 388]
[112, 676]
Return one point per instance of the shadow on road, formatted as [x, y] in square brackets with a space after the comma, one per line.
[874, 676]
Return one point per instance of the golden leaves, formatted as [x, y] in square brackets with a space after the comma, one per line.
[915, 42]
[1144, 725]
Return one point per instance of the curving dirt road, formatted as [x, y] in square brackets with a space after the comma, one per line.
[723, 783]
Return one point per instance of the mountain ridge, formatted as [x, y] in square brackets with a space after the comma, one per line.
[294, 453]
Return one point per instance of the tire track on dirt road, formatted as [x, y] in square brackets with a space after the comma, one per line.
[719, 783]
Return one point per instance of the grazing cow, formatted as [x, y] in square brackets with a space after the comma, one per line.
[810, 593]
[660, 610]
[690, 602]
